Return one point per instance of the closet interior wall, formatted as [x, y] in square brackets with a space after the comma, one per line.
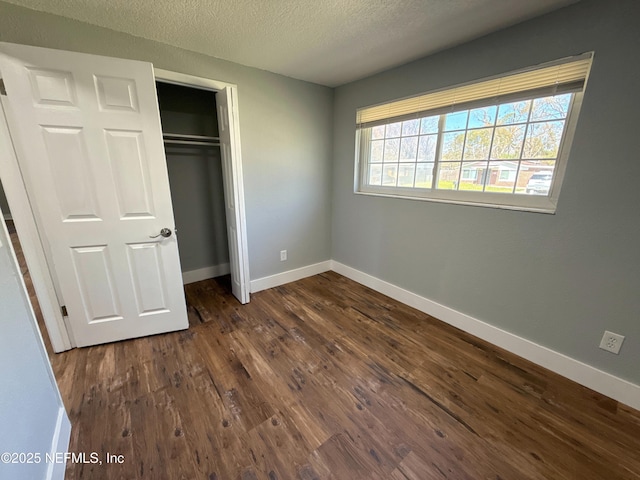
[190, 129]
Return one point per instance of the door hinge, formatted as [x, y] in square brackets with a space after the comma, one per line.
[63, 309]
[3, 90]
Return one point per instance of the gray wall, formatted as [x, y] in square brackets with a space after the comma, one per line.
[559, 280]
[29, 403]
[195, 176]
[285, 129]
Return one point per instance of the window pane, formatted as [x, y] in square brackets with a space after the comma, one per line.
[410, 127]
[507, 142]
[535, 177]
[477, 144]
[429, 124]
[393, 130]
[389, 174]
[427, 148]
[551, 108]
[391, 150]
[408, 148]
[516, 112]
[377, 132]
[456, 121]
[473, 176]
[448, 173]
[406, 172]
[482, 117]
[375, 174]
[452, 144]
[377, 150]
[501, 177]
[424, 175]
[543, 140]
[485, 148]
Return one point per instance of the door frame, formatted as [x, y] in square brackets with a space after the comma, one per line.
[30, 241]
[27, 230]
[237, 182]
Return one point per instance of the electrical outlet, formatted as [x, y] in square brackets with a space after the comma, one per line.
[283, 255]
[611, 342]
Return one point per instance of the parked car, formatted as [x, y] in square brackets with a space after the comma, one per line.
[539, 183]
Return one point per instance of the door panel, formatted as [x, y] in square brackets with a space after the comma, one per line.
[145, 263]
[116, 94]
[52, 87]
[87, 132]
[128, 162]
[232, 194]
[67, 160]
[94, 274]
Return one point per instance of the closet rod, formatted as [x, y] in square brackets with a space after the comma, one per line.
[181, 136]
[191, 142]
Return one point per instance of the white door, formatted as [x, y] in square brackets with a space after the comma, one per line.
[233, 194]
[87, 132]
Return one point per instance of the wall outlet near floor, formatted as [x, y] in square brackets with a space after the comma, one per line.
[283, 255]
[611, 342]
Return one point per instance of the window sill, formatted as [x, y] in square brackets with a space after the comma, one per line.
[535, 204]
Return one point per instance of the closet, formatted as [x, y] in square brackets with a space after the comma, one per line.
[192, 147]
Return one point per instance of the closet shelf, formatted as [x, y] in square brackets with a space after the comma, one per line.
[181, 139]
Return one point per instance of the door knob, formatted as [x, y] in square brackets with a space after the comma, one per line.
[165, 232]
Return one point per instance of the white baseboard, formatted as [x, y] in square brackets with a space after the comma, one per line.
[205, 273]
[289, 276]
[605, 383]
[591, 377]
[59, 443]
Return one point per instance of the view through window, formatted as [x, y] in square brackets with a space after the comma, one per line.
[503, 141]
[508, 148]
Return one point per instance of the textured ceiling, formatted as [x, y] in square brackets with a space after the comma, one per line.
[330, 42]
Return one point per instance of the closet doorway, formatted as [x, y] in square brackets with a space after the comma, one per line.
[192, 148]
[191, 123]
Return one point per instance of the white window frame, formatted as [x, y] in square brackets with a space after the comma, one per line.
[510, 201]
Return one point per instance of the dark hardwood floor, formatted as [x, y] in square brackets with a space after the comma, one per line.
[326, 379]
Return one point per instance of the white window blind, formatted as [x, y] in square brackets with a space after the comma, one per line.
[562, 76]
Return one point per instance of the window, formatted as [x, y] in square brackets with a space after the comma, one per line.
[500, 142]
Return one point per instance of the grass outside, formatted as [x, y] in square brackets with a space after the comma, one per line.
[471, 187]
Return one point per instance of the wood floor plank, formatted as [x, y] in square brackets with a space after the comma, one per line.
[326, 379]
